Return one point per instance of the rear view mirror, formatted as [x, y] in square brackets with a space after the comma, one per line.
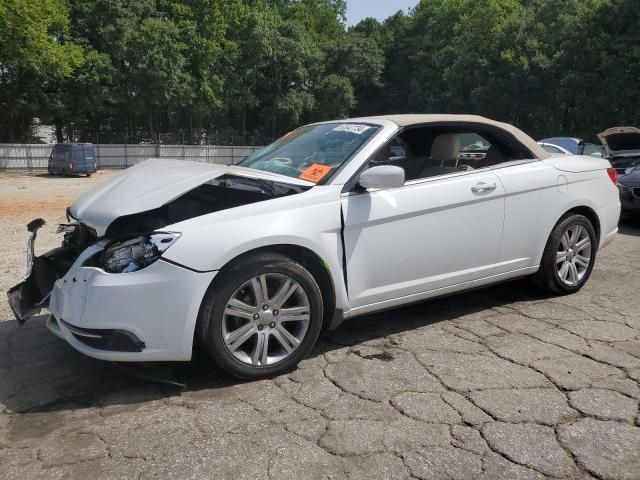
[382, 177]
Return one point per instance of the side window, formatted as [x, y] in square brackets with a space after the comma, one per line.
[450, 152]
[398, 148]
[473, 149]
[551, 148]
[391, 153]
[59, 155]
[431, 151]
[591, 149]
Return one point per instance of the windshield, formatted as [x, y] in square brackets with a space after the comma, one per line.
[312, 153]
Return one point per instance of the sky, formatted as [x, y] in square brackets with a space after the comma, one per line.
[380, 9]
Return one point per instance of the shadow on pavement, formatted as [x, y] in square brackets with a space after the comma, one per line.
[59, 176]
[40, 372]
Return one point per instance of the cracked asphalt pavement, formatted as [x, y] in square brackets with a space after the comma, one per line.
[499, 383]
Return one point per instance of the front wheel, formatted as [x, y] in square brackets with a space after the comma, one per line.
[261, 316]
[569, 255]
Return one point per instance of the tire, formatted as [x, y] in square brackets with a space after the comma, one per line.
[239, 287]
[565, 274]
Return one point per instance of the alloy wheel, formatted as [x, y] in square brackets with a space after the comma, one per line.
[266, 319]
[574, 254]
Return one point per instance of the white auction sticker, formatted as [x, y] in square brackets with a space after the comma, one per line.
[352, 128]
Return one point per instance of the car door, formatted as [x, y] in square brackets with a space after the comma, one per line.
[426, 236]
[533, 192]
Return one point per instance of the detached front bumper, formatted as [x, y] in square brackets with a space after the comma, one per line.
[147, 315]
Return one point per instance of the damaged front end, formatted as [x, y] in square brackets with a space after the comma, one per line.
[133, 237]
[32, 294]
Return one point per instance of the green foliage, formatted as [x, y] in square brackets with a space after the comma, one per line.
[550, 67]
[34, 51]
[245, 71]
[335, 97]
[34, 34]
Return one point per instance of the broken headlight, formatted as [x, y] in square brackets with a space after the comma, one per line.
[136, 253]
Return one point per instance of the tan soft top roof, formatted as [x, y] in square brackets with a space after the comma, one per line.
[407, 120]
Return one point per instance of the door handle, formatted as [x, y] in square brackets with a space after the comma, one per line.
[483, 187]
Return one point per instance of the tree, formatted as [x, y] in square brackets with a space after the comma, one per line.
[335, 97]
[249, 70]
[35, 51]
[157, 80]
[281, 61]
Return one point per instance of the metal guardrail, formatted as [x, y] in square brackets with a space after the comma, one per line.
[36, 156]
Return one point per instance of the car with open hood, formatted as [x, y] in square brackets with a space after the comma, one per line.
[622, 147]
[623, 150]
[335, 220]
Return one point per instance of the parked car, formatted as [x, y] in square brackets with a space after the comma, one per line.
[72, 159]
[622, 146]
[575, 146]
[629, 186]
[330, 222]
[554, 149]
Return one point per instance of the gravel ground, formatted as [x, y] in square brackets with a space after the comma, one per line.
[23, 197]
[497, 383]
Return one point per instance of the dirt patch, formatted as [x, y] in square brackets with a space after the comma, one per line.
[23, 197]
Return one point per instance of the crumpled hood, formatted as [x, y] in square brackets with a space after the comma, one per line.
[620, 140]
[152, 184]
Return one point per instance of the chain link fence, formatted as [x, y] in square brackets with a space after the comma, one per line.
[36, 156]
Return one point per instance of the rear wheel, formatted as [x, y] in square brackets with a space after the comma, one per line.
[262, 316]
[569, 255]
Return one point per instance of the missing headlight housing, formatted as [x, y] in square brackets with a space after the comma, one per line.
[136, 253]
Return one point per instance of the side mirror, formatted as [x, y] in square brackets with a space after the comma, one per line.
[382, 177]
[596, 154]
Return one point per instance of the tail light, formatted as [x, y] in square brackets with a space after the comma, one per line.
[70, 165]
[613, 175]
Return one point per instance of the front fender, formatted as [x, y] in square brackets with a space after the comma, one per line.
[211, 242]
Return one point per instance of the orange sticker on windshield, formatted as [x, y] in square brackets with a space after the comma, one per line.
[315, 172]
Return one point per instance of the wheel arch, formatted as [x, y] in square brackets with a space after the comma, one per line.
[547, 277]
[580, 208]
[590, 214]
[317, 266]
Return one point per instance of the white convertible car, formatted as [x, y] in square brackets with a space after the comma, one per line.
[332, 221]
